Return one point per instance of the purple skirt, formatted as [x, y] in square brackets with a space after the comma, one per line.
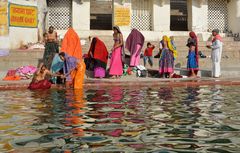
[99, 72]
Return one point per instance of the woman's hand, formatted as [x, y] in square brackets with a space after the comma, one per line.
[208, 46]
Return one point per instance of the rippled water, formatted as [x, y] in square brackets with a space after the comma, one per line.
[119, 120]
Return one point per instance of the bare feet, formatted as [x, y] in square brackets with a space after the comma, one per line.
[192, 76]
[112, 77]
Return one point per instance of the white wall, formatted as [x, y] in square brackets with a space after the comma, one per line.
[234, 16]
[81, 15]
[161, 15]
[197, 16]
[4, 42]
[19, 35]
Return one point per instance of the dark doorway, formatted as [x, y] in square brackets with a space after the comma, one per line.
[179, 15]
[101, 14]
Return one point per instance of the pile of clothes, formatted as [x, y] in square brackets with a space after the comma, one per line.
[32, 46]
[21, 73]
[139, 70]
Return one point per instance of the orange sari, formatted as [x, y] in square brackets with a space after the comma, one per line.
[72, 46]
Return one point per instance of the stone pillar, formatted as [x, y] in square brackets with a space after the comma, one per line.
[161, 15]
[234, 15]
[81, 15]
[198, 15]
[42, 17]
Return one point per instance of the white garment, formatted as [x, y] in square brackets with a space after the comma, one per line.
[216, 57]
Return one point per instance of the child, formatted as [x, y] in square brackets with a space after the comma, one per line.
[148, 54]
[192, 65]
[45, 37]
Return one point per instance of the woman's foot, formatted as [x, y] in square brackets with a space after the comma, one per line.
[192, 76]
[113, 77]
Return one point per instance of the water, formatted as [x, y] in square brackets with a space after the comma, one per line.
[119, 120]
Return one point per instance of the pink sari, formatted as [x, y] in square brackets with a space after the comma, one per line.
[116, 62]
[135, 57]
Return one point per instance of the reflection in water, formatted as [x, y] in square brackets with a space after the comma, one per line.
[164, 119]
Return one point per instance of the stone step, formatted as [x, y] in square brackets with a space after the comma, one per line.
[181, 62]
[225, 72]
[180, 45]
[6, 65]
[182, 52]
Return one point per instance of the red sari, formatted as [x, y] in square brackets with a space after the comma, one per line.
[98, 55]
[43, 84]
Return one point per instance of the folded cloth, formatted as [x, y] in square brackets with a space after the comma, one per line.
[11, 76]
[176, 76]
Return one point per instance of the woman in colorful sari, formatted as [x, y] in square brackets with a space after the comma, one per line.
[166, 62]
[51, 47]
[74, 66]
[193, 40]
[134, 44]
[72, 69]
[98, 55]
[116, 63]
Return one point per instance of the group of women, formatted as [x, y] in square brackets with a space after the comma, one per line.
[70, 61]
[67, 65]
[98, 55]
[134, 44]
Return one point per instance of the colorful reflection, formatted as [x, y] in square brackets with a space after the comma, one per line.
[117, 119]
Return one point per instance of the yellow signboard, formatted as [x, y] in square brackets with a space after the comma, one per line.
[23, 16]
[122, 16]
[3, 18]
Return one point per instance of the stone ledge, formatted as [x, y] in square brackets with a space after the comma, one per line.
[139, 82]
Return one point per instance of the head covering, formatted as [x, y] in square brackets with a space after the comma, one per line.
[134, 38]
[99, 51]
[169, 45]
[192, 34]
[118, 29]
[215, 30]
[217, 37]
[71, 44]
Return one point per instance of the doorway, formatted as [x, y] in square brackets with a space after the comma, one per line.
[101, 14]
[179, 15]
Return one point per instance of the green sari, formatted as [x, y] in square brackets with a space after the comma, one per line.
[51, 48]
